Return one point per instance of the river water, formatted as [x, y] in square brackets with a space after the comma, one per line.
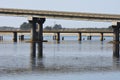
[68, 60]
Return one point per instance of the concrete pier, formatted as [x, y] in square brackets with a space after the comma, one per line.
[58, 37]
[101, 37]
[21, 37]
[1, 38]
[37, 37]
[79, 36]
[89, 37]
[15, 36]
[116, 40]
[54, 36]
[33, 29]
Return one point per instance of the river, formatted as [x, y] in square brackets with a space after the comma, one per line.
[68, 60]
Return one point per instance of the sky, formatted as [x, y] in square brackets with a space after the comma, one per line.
[91, 6]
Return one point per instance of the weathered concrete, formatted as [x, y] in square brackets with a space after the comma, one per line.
[101, 37]
[79, 36]
[37, 37]
[33, 28]
[21, 37]
[15, 36]
[1, 38]
[58, 37]
[89, 37]
[115, 33]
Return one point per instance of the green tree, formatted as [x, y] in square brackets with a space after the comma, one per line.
[110, 27]
[25, 26]
[57, 26]
[48, 28]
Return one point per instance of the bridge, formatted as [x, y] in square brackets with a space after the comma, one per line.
[57, 32]
[38, 17]
[60, 15]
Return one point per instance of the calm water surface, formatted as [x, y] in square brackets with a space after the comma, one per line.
[70, 59]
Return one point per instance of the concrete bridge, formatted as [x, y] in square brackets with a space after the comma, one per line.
[60, 15]
[57, 32]
[60, 31]
[38, 17]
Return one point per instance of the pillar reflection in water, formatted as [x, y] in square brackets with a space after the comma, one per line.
[116, 63]
[36, 63]
[116, 50]
[33, 50]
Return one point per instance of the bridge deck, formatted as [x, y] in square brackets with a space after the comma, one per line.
[59, 14]
[59, 31]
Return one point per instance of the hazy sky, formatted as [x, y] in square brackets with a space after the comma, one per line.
[92, 6]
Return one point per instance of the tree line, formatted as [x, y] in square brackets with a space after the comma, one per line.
[26, 26]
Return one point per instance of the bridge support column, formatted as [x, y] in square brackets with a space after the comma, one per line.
[89, 37]
[79, 36]
[37, 37]
[54, 37]
[101, 36]
[21, 37]
[32, 22]
[40, 37]
[58, 37]
[116, 40]
[15, 36]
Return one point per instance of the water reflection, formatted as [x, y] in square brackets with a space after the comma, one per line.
[69, 63]
[60, 62]
[35, 60]
[79, 42]
[102, 44]
[33, 50]
[116, 49]
[68, 56]
[37, 64]
[75, 64]
[116, 63]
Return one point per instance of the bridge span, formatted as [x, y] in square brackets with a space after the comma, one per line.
[57, 33]
[60, 15]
